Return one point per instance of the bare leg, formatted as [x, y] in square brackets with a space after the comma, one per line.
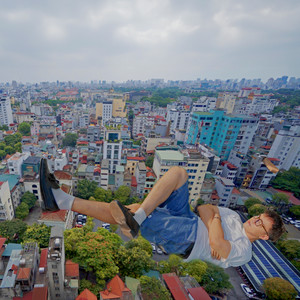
[98, 210]
[171, 181]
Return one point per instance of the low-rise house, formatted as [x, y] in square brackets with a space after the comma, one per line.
[116, 290]
[16, 189]
[15, 163]
[61, 218]
[224, 188]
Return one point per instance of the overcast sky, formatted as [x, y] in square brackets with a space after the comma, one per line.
[141, 39]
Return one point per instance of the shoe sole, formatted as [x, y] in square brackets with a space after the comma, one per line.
[119, 217]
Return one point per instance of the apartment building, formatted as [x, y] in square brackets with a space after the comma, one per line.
[221, 132]
[140, 175]
[112, 148]
[6, 204]
[226, 101]
[190, 159]
[15, 163]
[6, 116]
[178, 119]
[224, 189]
[286, 147]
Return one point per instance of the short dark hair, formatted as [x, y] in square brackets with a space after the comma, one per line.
[278, 227]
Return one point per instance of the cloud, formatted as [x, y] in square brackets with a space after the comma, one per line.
[140, 39]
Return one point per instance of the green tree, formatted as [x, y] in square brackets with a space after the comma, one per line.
[295, 210]
[97, 252]
[102, 195]
[4, 127]
[24, 128]
[256, 210]
[140, 243]
[251, 201]
[89, 225]
[22, 211]
[18, 147]
[13, 230]
[70, 140]
[289, 248]
[279, 289]
[86, 188]
[11, 140]
[195, 268]
[174, 264]
[122, 194]
[215, 280]
[288, 181]
[133, 261]
[39, 233]
[72, 238]
[2, 154]
[29, 198]
[2, 146]
[94, 288]
[9, 150]
[151, 288]
[149, 161]
[280, 200]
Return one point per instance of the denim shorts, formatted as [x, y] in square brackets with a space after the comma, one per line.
[172, 225]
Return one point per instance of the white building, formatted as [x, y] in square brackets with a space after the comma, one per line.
[104, 173]
[286, 147]
[190, 159]
[224, 189]
[6, 205]
[15, 163]
[246, 134]
[112, 149]
[178, 118]
[6, 117]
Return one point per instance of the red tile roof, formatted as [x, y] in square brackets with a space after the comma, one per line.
[43, 258]
[139, 158]
[116, 286]
[61, 175]
[235, 191]
[273, 159]
[133, 181]
[24, 273]
[175, 286]
[58, 216]
[40, 293]
[86, 295]
[199, 293]
[72, 269]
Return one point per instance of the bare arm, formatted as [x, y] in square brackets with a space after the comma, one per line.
[212, 220]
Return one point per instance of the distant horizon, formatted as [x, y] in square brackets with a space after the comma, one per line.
[149, 79]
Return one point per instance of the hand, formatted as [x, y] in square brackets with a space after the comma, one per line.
[215, 254]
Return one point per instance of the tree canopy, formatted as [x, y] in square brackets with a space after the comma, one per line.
[251, 201]
[24, 128]
[256, 210]
[29, 198]
[39, 233]
[86, 188]
[152, 288]
[122, 194]
[278, 289]
[288, 181]
[22, 211]
[70, 140]
[13, 230]
[295, 210]
[215, 279]
[102, 195]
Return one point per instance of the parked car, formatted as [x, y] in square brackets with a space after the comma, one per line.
[153, 248]
[158, 250]
[106, 226]
[249, 293]
[78, 225]
[285, 220]
[269, 200]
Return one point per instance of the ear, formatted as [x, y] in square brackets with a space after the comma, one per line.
[264, 237]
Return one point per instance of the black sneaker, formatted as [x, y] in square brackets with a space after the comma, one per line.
[124, 217]
[48, 182]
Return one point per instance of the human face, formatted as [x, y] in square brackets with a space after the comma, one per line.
[258, 227]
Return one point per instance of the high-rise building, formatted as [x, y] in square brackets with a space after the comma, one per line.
[6, 117]
[221, 132]
[286, 147]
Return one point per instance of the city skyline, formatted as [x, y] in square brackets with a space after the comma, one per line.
[139, 40]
